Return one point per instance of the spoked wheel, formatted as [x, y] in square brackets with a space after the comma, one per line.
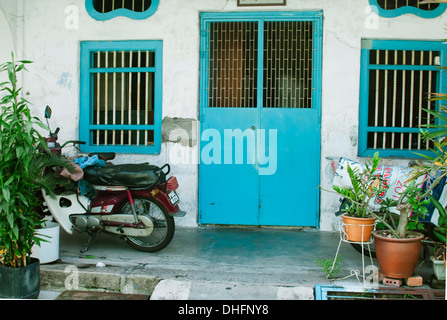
[164, 225]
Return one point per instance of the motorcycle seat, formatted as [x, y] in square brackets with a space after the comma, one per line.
[129, 175]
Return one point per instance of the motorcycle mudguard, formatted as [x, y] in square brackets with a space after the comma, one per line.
[62, 206]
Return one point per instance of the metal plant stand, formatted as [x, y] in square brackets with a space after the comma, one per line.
[344, 238]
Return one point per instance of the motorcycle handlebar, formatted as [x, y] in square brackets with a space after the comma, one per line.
[74, 142]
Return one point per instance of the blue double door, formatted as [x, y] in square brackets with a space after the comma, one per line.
[260, 118]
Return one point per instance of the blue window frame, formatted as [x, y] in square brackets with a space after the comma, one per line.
[396, 79]
[393, 8]
[121, 96]
[133, 9]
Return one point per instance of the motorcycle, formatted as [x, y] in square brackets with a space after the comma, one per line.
[137, 202]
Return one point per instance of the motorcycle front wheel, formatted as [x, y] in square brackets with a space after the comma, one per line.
[164, 225]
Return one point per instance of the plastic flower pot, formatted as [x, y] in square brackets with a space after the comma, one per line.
[49, 249]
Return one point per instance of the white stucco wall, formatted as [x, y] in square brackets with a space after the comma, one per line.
[51, 30]
[7, 43]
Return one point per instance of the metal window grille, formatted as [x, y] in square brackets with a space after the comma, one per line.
[288, 52]
[122, 95]
[233, 64]
[399, 84]
[287, 64]
[332, 292]
[104, 6]
[395, 4]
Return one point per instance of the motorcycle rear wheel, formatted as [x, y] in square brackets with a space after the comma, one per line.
[164, 225]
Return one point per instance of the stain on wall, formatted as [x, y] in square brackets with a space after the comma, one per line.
[179, 130]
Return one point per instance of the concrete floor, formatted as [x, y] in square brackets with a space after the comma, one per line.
[245, 263]
[245, 255]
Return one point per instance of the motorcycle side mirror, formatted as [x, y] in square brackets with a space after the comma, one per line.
[47, 112]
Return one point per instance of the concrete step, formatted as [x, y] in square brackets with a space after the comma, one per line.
[206, 290]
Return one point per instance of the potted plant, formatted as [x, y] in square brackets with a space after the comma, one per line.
[438, 136]
[397, 243]
[365, 185]
[21, 177]
[439, 261]
[440, 251]
[47, 251]
[398, 246]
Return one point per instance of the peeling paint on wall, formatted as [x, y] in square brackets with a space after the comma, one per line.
[354, 136]
[179, 130]
[65, 80]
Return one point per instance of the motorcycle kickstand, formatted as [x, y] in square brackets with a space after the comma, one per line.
[91, 237]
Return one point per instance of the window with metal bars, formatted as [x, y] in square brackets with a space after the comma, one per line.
[393, 8]
[134, 9]
[287, 64]
[396, 79]
[395, 4]
[104, 6]
[121, 96]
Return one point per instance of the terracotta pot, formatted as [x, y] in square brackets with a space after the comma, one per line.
[358, 229]
[397, 257]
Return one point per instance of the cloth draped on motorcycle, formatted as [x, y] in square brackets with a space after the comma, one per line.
[84, 162]
[79, 164]
[92, 170]
[77, 173]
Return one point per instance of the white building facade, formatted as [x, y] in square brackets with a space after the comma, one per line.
[298, 82]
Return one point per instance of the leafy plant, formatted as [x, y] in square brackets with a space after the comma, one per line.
[366, 184]
[21, 171]
[440, 231]
[331, 267]
[412, 205]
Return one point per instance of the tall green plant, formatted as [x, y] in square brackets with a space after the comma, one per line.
[21, 167]
[366, 184]
[414, 200]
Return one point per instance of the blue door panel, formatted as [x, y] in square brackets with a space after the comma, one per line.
[229, 189]
[290, 196]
